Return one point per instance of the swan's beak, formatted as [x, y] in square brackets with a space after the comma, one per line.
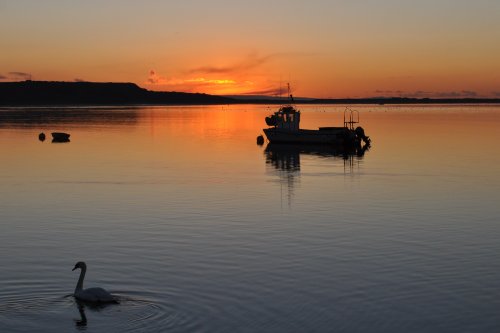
[74, 268]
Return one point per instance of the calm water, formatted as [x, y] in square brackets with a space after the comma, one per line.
[197, 229]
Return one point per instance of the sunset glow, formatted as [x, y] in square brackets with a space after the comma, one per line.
[324, 48]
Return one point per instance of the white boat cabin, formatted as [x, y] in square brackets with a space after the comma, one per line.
[287, 117]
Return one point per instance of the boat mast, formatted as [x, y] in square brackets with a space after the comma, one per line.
[280, 88]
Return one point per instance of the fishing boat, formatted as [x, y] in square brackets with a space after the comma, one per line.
[284, 128]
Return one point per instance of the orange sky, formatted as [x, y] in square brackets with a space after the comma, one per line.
[444, 48]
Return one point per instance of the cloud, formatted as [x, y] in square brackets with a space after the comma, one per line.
[389, 92]
[191, 82]
[202, 80]
[271, 91]
[428, 94]
[496, 93]
[246, 76]
[418, 94]
[469, 93]
[15, 76]
[216, 84]
[457, 94]
[251, 62]
[19, 75]
[154, 78]
[157, 79]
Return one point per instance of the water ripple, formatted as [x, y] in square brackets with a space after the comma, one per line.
[133, 314]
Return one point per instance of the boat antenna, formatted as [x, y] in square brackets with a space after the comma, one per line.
[280, 87]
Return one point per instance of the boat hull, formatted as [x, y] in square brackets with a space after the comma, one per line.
[334, 136]
[60, 137]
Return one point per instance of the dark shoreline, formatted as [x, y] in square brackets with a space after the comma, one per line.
[47, 93]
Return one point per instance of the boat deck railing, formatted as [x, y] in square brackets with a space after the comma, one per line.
[351, 117]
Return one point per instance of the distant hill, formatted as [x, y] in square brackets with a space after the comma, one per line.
[39, 93]
[94, 93]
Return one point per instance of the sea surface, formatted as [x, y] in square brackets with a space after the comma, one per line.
[196, 228]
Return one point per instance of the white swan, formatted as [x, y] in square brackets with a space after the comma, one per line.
[96, 295]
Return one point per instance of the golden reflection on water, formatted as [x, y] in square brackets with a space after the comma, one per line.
[184, 198]
[412, 138]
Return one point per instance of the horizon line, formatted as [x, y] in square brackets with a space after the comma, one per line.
[418, 95]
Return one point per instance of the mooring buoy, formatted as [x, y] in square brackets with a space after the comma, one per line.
[260, 140]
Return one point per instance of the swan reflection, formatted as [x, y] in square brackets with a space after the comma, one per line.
[81, 323]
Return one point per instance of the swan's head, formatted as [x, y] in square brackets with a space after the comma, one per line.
[80, 265]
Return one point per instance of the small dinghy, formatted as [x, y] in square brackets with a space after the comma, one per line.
[60, 137]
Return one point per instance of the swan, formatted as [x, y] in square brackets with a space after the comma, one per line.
[96, 295]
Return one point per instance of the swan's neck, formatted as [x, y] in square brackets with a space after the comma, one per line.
[79, 285]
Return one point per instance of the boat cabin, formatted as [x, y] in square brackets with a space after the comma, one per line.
[287, 117]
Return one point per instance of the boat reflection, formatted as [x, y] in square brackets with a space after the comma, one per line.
[286, 164]
[287, 156]
[60, 140]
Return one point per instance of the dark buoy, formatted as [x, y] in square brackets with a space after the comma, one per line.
[260, 140]
[41, 136]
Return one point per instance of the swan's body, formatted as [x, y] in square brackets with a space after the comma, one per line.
[95, 295]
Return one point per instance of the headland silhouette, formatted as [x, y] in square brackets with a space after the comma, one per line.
[60, 93]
